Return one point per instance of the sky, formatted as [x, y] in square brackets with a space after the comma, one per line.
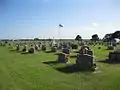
[40, 18]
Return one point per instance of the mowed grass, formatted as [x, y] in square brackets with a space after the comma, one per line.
[30, 72]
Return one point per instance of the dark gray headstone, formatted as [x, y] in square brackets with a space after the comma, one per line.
[63, 58]
[43, 47]
[110, 47]
[36, 48]
[84, 61]
[24, 49]
[114, 56]
[31, 50]
[66, 51]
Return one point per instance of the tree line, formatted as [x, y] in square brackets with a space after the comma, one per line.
[107, 38]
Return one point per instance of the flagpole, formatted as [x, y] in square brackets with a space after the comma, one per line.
[59, 33]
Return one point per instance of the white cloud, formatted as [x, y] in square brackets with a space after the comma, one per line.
[95, 24]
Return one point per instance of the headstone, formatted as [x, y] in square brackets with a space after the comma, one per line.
[59, 46]
[31, 50]
[110, 47]
[24, 49]
[84, 49]
[84, 61]
[54, 49]
[63, 58]
[114, 56]
[39, 46]
[17, 48]
[114, 44]
[66, 51]
[43, 47]
[36, 48]
[9, 44]
[90, 52]
[64, 46]
[74, 46]
[99, 47]
[6, 42]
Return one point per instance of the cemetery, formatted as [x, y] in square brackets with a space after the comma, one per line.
[59, 45]
[28, 65]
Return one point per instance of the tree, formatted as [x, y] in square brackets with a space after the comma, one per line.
[49, 39]
[107, 37]
[36, 39]
[116, 35]
[111, 36]
[78, 38]
[95, 37]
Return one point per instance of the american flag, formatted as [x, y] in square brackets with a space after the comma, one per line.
[60, 25]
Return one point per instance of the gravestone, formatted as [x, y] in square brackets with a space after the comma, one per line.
[64, 46]
[89, 52]
[59, 47]
[43, 48]
[54, 49]
[110, 47]
[63, 58]
[66, 51]
[39, 46]
[74, 46]
[9, 44]
[70, 48]
[17, 48]
[114, 44]
[85, 59]
[31, 51]
[114, 56]
[36, 48]
[24, 48]
[84, 49]
[99, 47]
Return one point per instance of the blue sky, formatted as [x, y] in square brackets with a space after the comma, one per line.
[40, 18]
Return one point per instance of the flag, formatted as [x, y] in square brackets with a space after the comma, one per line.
[60, 25]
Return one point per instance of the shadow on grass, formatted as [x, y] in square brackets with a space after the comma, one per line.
[24, 53]
[109, 61]
[57, 53]
[49, 52]
[73, 56]
[15, 51]
[51, 62]
[71, 69]
[67, 69]
[108, 49]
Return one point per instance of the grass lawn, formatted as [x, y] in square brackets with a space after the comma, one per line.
[34, 72]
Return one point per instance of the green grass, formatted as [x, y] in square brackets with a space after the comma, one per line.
[28, 72]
